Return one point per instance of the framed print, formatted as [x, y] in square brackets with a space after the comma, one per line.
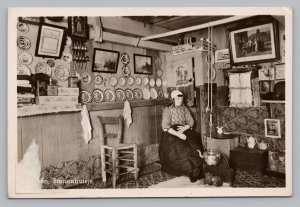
[78, 27]
[50, 41]
[255, 44]
[272, 128]
[105, 61]
[265, 86]
[31, 20]
[143, 64]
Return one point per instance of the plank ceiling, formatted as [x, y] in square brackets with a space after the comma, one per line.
[176, 22]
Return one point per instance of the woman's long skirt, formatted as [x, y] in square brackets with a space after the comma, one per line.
[180, 157]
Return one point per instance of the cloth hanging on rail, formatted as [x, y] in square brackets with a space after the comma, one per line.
[127, 113]
[86, 124]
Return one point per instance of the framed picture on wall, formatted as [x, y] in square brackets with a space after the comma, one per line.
[143, 64]
[105, 61]
[78, 27]
[272, 128]
[255, 44]
[50, 41]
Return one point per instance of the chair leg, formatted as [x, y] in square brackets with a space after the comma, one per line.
[103, 172]
[114, 177]
[117, 165]
[135, 163]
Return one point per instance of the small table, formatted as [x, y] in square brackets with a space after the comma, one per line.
[223, 143]
[252, 160]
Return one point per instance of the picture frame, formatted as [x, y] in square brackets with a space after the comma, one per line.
[254, 44]
[50, 41]
[143, 64]
[265, 86]
[78, 27]
[32, 20]
[105, 61]
[272, 128]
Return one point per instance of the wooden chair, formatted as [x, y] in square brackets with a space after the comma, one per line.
[118, 158]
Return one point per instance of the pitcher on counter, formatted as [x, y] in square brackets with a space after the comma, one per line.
[180, 148]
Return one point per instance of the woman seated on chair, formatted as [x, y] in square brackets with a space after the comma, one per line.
[180, 148]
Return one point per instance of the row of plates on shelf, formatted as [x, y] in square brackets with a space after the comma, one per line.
[60, 72]
[86, 79]
[119, 94]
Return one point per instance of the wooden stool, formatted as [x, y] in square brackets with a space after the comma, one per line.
[117, 156]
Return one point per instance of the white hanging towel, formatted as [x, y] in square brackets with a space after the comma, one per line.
[86, 125]
[127, 113]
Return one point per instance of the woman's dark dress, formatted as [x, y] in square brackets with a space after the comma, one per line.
[180, 157]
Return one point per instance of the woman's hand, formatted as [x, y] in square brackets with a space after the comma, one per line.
[182, 129]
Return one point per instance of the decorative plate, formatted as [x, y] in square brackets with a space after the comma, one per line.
[110, 96]
[22, 27]
[85, 97]
[125, 59]
[51, 63]
[98, 95]
[129, 94]
[166, 95]
[23, 43]
[67, 57]
[146, 94]
[126, 70]
[23, 70]
[138, 94]
[152, 82]
[113, 81]
[122, 81]
[158, 82]
[61, 72]
[138, 81]
[157, 61]
[145, 81]
[160, 94]
[130, 81]
[25, 58]
[159, 72]
[98, 79]
[165, 82]
[120, 94]
[86, 78]
[153, 93]
[43, 67]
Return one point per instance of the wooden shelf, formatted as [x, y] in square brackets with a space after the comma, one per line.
[272, 101]
[120, 105]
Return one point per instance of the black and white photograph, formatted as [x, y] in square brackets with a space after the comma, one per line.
[194, 129]
[272, 128]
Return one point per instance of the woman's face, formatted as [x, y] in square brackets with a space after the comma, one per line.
[178, 101]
